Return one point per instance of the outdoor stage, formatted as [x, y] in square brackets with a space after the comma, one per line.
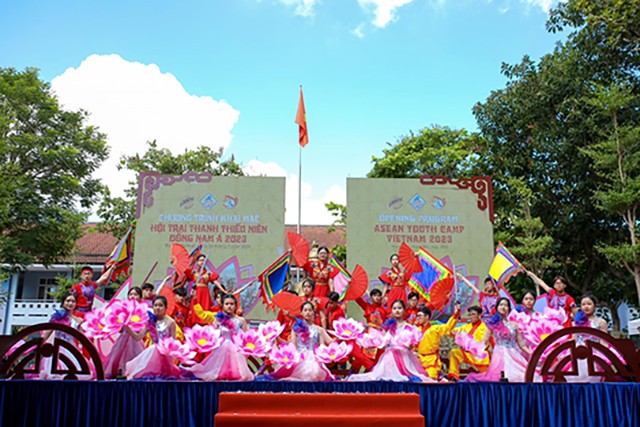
[177, 403]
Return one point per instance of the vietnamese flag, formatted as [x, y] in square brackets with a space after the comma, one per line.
[301, 120]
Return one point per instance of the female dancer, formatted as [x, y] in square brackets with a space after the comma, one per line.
[586, 317]
[151, 363]
[557, 298]
[510, 353]
[398, 362]
[224, 362]
[321, 272]
[307, 336]
[396, 281]
[202, 277]
[126, 347]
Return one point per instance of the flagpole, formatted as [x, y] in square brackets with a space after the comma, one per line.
[299, 199]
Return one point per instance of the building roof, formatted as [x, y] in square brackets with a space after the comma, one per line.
[94, 247]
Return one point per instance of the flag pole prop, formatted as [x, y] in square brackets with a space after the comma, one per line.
[150, 273]
[303, 140]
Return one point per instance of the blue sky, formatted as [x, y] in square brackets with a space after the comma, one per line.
[226, 74]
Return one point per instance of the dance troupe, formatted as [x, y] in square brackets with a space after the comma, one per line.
[202, 335]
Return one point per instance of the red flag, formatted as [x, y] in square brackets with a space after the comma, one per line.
[301, 120]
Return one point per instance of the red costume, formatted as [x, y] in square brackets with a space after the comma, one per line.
[562, 302]
[180, 314]
[396, 279]
[288, 322]
[333, 315]
[375, 314]
[321, 273]
[84, 296]
[318, 305]
[202, 279]
[411, 315]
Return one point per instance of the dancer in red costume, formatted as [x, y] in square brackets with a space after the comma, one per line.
[374, 312]
[332, 311]
[85, 291]
[396, 281]
[321, 272]
[202, 277]
[557, 298]
[411, 313]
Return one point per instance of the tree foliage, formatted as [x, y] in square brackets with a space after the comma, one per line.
[47, 157]
[339, 212]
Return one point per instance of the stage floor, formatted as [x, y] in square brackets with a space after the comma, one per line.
[177, 403]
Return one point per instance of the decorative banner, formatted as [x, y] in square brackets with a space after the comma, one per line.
[239, 221]
[504, 266]
[432, 272]
[451, 219]
[275, 278]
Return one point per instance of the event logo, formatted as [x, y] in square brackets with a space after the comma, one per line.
[438, 202]
[230, 202]
[187, 203]
[417, 202]
[396, 202]
[208, 201]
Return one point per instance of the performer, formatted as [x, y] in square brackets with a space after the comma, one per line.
[528, 301]
[151, 363]
[588, 305]
[429, 348]
[85, 291]
[396, 281]
[487, 298]
[224, 362]
[126, 347]
[319, 303]
[586, 317]
[307, 336]
[412, 309]
[180, 313]
[332, 311]
[510, 354]
[147, 294]
[65, 315]
[397, 363]
[321, 272]
[557, 298]
[477, 329]
[374, 313]
[201, 276]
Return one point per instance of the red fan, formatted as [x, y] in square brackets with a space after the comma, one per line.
[358, 285]
[288, 302]
[409, 259]
[299, 248]
[440, 293]
[179, 258]
[167, 292]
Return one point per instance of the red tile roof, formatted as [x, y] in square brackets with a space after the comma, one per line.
[94, 247]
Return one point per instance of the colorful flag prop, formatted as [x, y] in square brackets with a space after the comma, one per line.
[435, 278]
[504, 266]
[341, 280]
[275, 278]
[120, 257]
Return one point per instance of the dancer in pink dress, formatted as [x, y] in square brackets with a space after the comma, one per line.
[225, 362]
[307, 336]
[398, 362]
[126, 347]
[510, 354]
[151, 363]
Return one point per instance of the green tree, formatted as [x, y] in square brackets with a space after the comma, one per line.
[616, 159]
[118, 213]
[47, 157]
[339, 212]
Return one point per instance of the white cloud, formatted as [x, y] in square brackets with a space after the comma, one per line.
[313, 210]
[133, 102]
[302, 7]
[384, 10]
[545, 5]
[357, 31]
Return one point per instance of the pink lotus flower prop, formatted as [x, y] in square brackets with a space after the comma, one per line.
[333, 352]
[521, 319]
[558, 316]
[271, 330]
[467, 343]
[138, 314]
[348, 329]
[286, 355]
[203, 339]
[375, 338]
[407, 336]
[541, 328]
[98, 325]
[179, 351]
[251, 343]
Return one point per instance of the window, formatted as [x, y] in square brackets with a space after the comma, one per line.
[47, 288]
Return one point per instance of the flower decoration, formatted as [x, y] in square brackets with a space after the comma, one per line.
[179, 351]
[286, 355]
[406, 336]
[271, 330]
[251, 343]
[348, 329]
[559, 316]
[469, 344]
[375, 338]
[138, 314]
[203, 339]
[333, 352]
[540, 328]
[98, 325]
